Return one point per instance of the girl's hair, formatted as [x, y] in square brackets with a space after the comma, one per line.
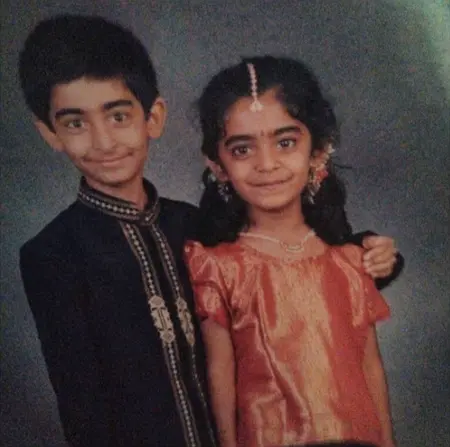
[298, 90]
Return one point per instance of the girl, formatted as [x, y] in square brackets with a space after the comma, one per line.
[288, 313]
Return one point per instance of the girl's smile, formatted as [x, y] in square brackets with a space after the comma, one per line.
[265, 154]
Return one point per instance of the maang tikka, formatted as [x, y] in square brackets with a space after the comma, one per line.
[256, 105]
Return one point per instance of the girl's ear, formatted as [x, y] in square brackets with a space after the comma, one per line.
[320, 157]
[217, 170]
[156, 118]
[316, 157]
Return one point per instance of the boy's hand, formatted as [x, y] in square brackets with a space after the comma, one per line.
[380, 256]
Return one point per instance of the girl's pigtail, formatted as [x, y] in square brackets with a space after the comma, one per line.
[219, 220]
[327, 214]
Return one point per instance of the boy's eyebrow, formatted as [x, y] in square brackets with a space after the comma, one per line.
[107, 106]
[275, 133]
[118, 103]
[63, 112]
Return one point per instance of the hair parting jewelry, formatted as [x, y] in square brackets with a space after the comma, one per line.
[256, 105]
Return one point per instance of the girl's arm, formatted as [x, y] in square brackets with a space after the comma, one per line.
[221, 379]
[376, 381]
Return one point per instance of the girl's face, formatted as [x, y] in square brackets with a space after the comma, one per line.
[264, 154]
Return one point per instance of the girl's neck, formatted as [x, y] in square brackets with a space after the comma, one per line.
[278, 223]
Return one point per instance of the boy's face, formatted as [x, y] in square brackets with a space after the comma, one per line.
[103, 129]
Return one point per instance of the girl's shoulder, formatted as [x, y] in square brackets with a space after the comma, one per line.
[349, 253]
[226, 251]
[219, 265]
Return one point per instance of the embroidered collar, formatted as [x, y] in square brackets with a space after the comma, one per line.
[119, 208]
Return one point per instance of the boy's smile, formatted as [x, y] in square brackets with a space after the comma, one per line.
[103, 129]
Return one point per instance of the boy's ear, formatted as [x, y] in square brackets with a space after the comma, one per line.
[156, 118]
[217, 170]
[49, 136]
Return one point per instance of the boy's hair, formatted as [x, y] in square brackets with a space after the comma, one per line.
[64, 48]
[297, 88]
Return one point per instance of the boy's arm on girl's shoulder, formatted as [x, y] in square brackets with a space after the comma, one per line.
[358, 239]
[54, 293]
[381, 283]
[179, 219]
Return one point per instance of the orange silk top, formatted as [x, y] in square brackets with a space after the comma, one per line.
[299, 329]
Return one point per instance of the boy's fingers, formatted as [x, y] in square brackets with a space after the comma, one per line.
[380, 252]
[381, 269]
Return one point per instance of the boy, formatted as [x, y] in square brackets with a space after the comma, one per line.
[105, 279]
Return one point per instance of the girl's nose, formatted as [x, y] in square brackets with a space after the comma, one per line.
[267, 159]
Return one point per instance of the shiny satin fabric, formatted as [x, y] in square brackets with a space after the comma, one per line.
[299, 328]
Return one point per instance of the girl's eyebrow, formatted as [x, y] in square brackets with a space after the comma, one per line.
[237, 138]
[286, 129]
[246, 138]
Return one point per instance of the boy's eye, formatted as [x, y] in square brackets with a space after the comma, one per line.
[74, 124]
[120, 117]
[287, 143]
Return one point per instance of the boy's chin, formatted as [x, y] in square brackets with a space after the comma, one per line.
[112, 180]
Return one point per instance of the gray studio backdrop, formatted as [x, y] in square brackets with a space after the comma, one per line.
[386, 64]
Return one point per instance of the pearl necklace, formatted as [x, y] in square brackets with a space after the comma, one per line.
[289, 248]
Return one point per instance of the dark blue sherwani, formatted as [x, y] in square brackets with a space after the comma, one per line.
[113, 308]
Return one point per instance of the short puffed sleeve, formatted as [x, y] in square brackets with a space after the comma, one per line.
[208, 284]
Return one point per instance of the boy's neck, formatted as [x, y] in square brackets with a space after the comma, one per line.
[134, 193]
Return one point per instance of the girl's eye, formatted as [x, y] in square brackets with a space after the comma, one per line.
[240, 151]
[287, 143]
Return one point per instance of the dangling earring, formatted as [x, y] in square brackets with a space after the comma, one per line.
[313, 185]
[223, 188]
[317, 173]
[211, 177]
[224, 191]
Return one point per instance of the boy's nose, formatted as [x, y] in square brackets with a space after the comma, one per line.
[101, 137]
